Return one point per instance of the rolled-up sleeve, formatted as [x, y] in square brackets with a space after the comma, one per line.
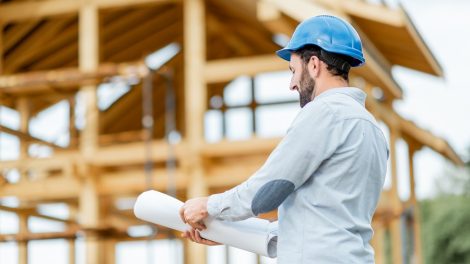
[312, 138]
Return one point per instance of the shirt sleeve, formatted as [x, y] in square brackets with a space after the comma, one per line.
[312, 138]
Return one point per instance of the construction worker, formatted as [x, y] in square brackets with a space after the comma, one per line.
[326, 175]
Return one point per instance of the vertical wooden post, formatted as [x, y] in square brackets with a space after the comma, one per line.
[71, 243]
[23, 245]
[23, 108]
[378, 242]
[110, 251]
[1, 48]
[418, 253]
[195, 105]
[88, 61]
[72, 129]
[395, 224]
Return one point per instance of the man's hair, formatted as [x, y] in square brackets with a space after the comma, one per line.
[337, 65]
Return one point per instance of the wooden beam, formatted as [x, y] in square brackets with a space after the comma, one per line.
[299, 9]
[28, 50]
[134, 153]
[23, 238]
[274, 19]
[421, 44]
[66, 54]
[378, 13]
[68, 77]
[33, 212]
[195, 105]
[2, 48]
[126, 22]
[54, 188]
[18, 32]
[216, 27]
[17, 11]
[88, 195]
[23, 245]
[239, 148]
[149, 43]
[27, 137]
[140, 31]
[228, 69]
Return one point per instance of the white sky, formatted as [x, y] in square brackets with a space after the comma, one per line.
[437, 104]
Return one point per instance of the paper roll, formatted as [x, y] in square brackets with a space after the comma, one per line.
[255, 235]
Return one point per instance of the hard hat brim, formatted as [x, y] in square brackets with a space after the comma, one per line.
[284, 53]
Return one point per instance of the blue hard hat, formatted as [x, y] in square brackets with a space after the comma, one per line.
[329, 33]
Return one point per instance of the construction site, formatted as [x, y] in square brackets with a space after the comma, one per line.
[170, 95]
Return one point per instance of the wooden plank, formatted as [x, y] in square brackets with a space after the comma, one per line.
[17, 11]
[216, 27]
[378, 13]
[148, 44]
[30, 48]
[139, 31]
[23, 238]
[239, 148]
[134, 153]
[431, 60]
[228, 69]
[68, 78]
[27, 137]
[23, 245]
[2, 48]
[68, 53]
[88, 195]
[18, 32]
[33, 212]
[195, 105]
[275, 20]
[57, 188]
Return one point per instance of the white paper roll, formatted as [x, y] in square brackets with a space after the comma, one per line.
[255, 235]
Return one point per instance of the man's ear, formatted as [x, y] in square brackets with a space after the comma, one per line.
[313, 66]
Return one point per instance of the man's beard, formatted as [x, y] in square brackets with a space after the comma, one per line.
[306, 88]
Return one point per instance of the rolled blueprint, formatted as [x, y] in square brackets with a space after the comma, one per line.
[255, 235]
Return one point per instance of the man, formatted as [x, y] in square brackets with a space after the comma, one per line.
[327, 173]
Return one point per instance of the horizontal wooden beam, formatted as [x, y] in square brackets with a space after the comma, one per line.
[33, 212]
[48, 189]
[134, 153]
[71, 77]
[71, 234]
[377, 13]
[252, 146]
[17, 11]
[228, 69]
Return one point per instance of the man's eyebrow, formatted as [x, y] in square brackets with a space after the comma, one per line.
[290, 68]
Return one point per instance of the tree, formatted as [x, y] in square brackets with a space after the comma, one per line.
[446, 220]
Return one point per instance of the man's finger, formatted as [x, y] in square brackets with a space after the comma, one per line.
[182, 213]
[192, 235]
[197, 236]
[209, 242]
[198, 225]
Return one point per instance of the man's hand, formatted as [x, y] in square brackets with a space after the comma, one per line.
[194, 211]
[194, 236]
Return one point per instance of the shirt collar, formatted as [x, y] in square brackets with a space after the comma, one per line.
[356, 93]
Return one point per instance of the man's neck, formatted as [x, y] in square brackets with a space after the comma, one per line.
[330, 83]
